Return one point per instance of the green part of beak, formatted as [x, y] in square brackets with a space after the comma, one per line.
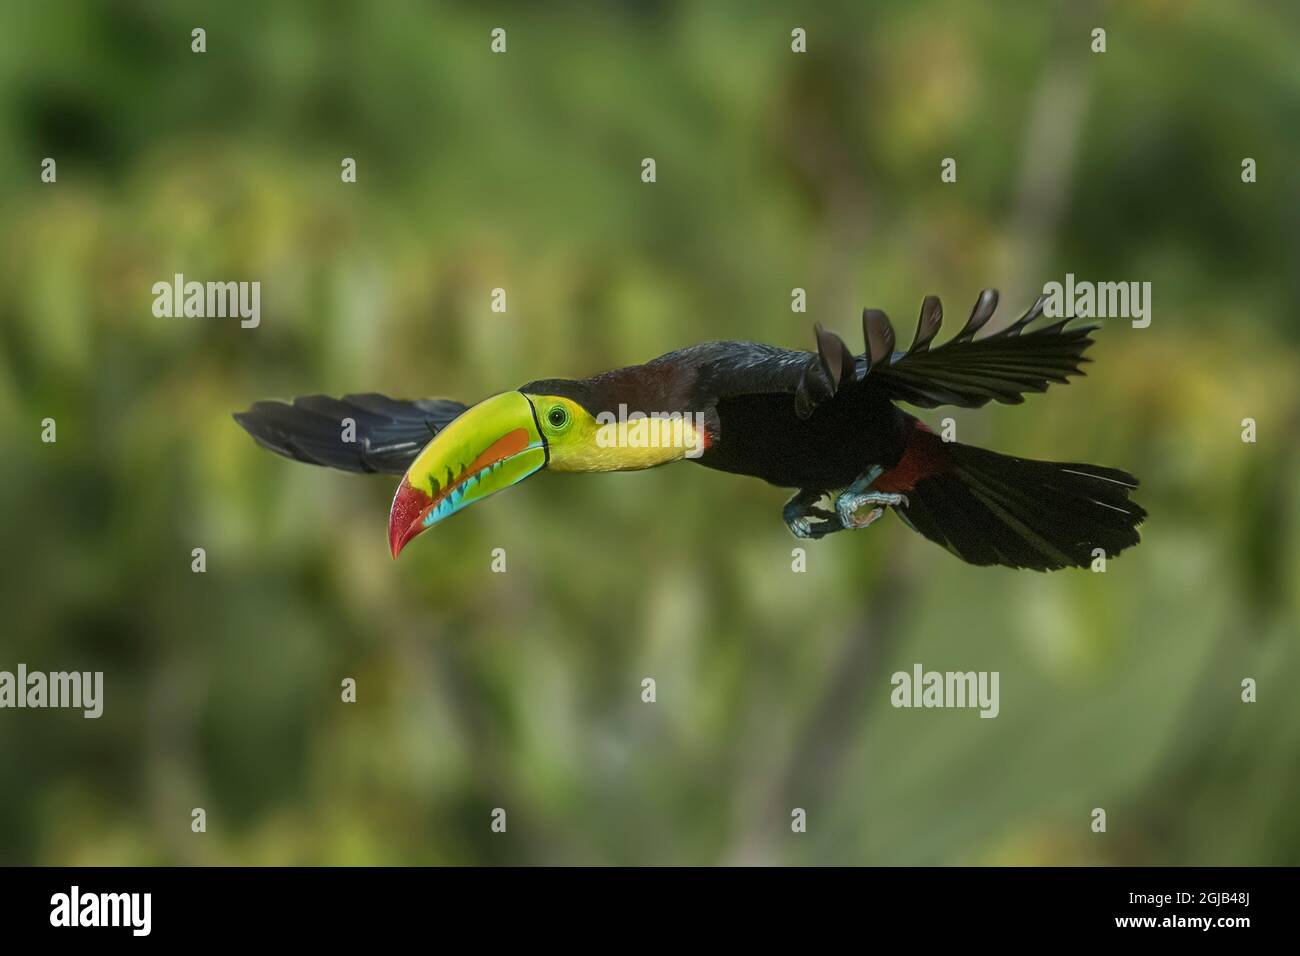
[488, 448]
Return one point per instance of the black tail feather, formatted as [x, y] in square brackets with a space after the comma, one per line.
[988, 508]
[387, 434]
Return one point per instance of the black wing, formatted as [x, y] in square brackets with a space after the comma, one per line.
[970, 372]
[964, 371]
[387, 434]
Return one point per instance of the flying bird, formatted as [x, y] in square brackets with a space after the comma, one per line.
[825, 423]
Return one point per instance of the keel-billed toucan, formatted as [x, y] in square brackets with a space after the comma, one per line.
[822, 422]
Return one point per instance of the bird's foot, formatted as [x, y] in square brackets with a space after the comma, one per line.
[847, 505]
[799, 513]
[813, 530]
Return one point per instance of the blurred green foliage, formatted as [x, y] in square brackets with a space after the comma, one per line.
[522, 690]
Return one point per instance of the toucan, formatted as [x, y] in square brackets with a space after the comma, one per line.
[826, 423]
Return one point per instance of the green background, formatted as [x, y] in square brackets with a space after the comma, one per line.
[522, 690]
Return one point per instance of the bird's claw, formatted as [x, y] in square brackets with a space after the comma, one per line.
[799, 527]
[854, 523]
[799, 512]
[812, 530]
[847, 505]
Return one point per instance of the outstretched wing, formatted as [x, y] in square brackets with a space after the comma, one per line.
[386, 433]
[964, 371]
[970, 372]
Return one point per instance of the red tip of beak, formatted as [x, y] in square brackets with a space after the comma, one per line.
[409, 506]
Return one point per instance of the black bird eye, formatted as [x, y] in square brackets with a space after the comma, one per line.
[558, 416]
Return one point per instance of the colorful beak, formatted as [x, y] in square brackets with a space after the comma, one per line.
[488, 448]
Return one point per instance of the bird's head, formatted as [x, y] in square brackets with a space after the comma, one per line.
[502, 440]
